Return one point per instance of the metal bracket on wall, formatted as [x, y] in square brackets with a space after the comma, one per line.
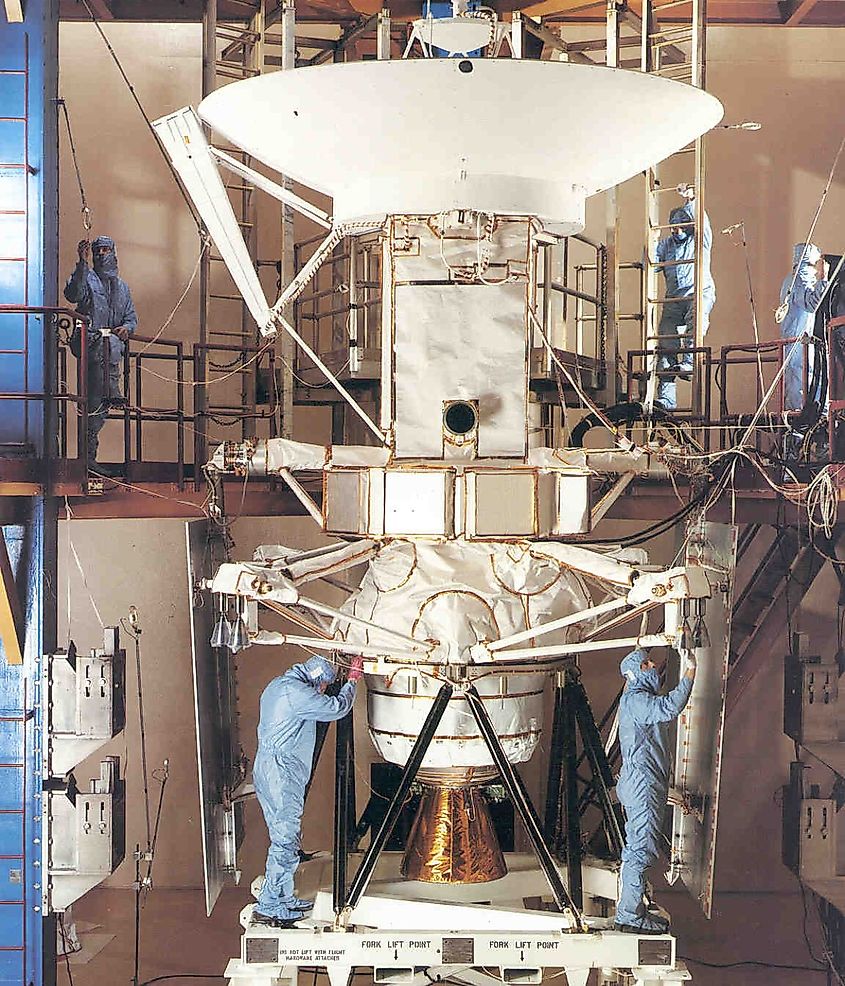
[83, 832]
[84, 835]
[84, 702]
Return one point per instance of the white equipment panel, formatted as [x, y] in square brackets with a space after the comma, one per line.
[698, 755]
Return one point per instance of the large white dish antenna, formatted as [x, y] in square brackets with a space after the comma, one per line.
[427, 135]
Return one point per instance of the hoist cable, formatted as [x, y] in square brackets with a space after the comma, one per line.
[143, 112]
[86, 212]
[134, 630]
[780, 311]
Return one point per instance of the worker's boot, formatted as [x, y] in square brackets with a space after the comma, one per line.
[646, 924]
[268, 921]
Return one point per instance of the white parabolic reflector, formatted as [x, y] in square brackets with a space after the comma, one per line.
[427, 135]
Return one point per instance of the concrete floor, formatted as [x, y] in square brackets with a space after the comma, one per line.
[178, 938]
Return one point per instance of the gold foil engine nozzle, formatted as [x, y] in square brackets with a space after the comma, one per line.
[453, 839]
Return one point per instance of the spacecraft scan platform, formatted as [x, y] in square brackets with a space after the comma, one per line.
[474, 588]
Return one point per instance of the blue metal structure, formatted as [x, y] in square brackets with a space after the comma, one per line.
[28, 262]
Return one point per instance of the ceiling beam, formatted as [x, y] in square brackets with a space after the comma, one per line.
[102, 9]
[549, 8]
[792, 12]
[14, 11]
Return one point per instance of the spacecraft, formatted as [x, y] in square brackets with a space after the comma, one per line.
[480, 589]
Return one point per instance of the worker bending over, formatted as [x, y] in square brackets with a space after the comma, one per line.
[643, 785]
[104, 299]
[676, 332]
[802, 292]
[291, 705]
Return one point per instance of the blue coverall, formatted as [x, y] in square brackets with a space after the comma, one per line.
[643, 784]
[106, 300]
[291, 705]
[677, 321]
[804, 298]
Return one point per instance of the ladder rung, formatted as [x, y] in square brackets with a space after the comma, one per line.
[239, 74]
[683, 33]
[226, 297]
[240, 35]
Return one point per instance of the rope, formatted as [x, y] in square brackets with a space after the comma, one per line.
[86, 212]
[728, 232]
[143, 112]
[780, 312]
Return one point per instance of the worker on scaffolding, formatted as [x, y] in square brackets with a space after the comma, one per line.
[106, 301]
[291, 705]
[801, 294]
[643, 785]
[676, 332]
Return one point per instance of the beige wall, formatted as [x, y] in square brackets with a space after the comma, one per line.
[143, 564]
[791, 81]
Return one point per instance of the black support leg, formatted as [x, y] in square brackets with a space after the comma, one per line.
[572, 841]
[551, 827]
[342, 769]
[365, 870]
[522, 803]
[603, 779]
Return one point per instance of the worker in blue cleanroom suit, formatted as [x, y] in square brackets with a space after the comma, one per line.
[677, 321]
[643, 784]
[291, 705]
[106, 300]
[802, 292]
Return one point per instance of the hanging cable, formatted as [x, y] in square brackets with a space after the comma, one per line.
[744, 244]
[143, 112]
[86, 212]
[134, 630]
[780, 312]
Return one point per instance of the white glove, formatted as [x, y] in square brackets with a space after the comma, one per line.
[688, 662]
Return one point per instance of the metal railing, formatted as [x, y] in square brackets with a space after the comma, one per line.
[716, 373]
[183, 372]
[339, 315]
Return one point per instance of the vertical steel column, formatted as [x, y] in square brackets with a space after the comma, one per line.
[383, 35]
[572, 830]
[394, 809]
[286, 345]
[342, 764]
[517, 35]
[28, 186]
[522, 804]
[611, 382]
[699, 79]
[209, 59]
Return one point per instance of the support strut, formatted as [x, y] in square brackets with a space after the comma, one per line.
[603, 779]
[342, 785]
[572, 831]
[394, 809]
[522, 803]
